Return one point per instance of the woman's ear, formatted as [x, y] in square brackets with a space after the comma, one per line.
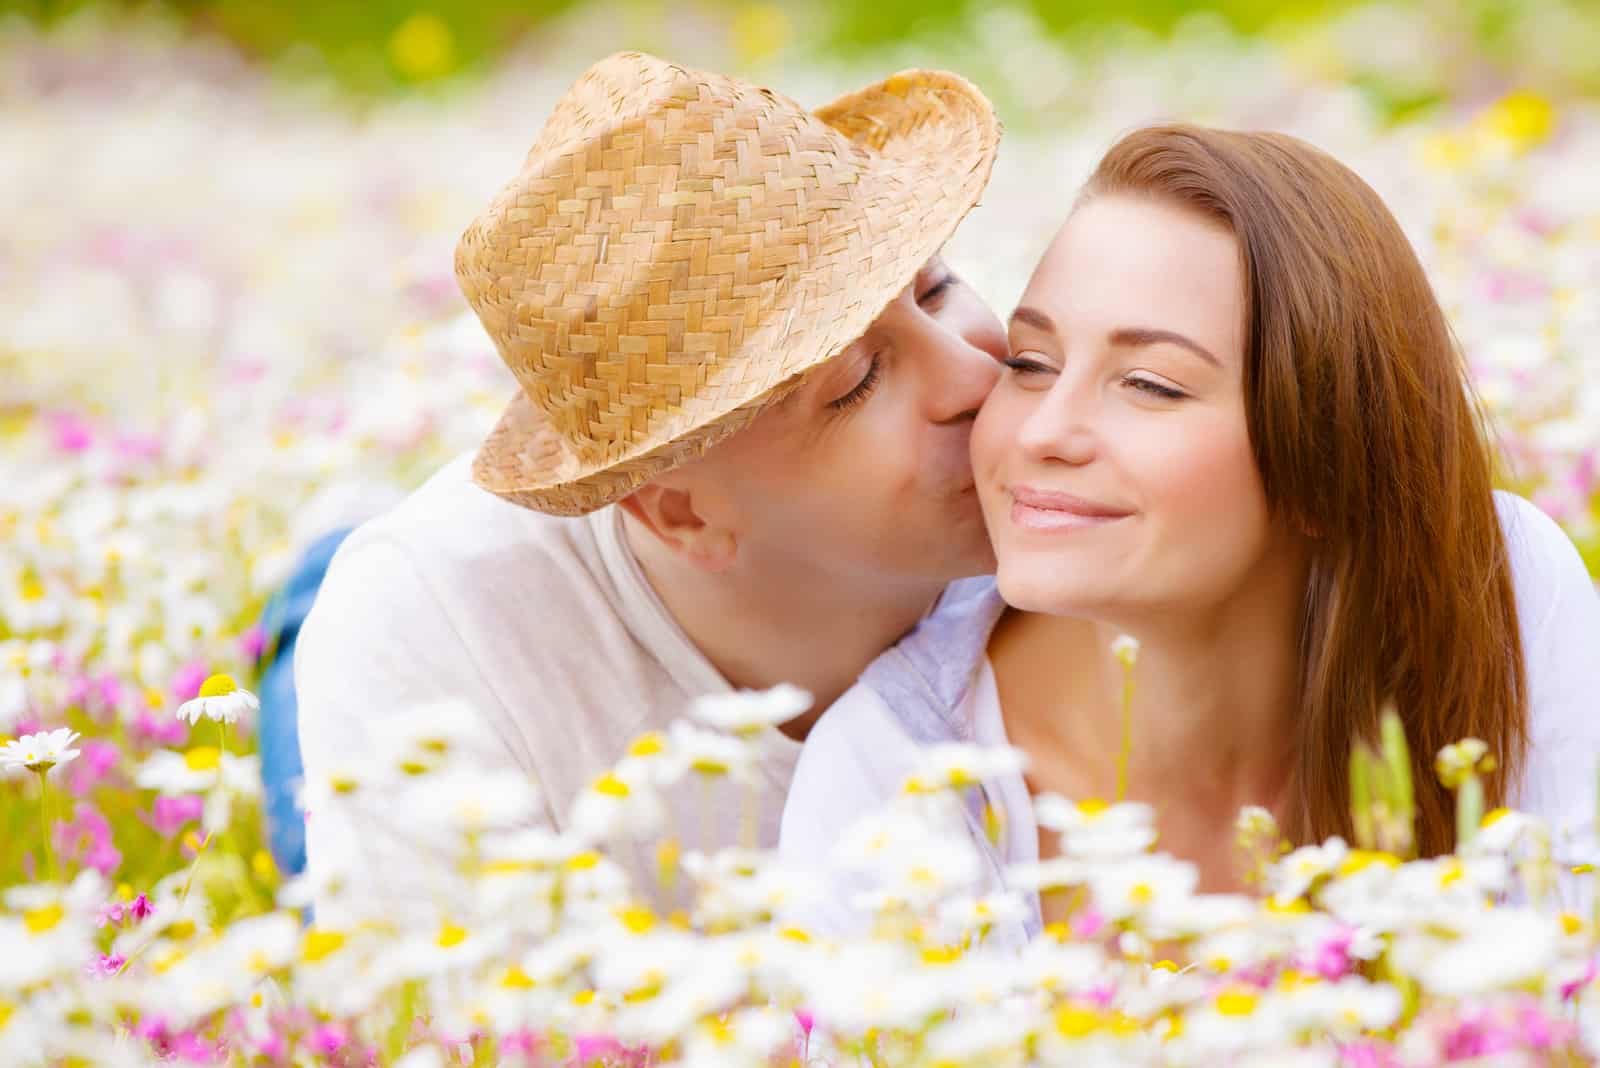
[669, 513]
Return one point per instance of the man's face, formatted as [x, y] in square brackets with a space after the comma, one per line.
[864, 471]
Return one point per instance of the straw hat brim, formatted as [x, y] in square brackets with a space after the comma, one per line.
[933, 137]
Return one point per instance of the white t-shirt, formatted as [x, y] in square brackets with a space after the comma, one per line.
[859, 754]
[548, 635]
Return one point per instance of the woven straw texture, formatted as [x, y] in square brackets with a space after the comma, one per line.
[680, 247]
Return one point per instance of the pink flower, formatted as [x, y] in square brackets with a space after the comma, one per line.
[806, 1020]
[71, 432]
[108, 964]
[1570, 988]
[1367, 1055]
[140, 908]
[163, 730]
[169, 814]
[254, 641]
[77, 690]
[593, 1047]
[87, 840]
[328, 1039]
[130, 446]
[94, 763]
[1087, 923]
[191, 1047]
[1332, 959]
[272, 1047]
[520, 1043]
[187, 682]
[110, 690]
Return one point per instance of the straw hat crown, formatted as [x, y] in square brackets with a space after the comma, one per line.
[680, 246]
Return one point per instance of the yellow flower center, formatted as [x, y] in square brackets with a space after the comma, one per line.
[451, 935]
[6, 1009]
[637, 918]
[218, 686]
[648, 744]
[1093, 806]
[584, 861]
[516, 979]
[40, 920]
[1525, 119]
[321, 943]
[1074, 1021]
[203, 758]
[1236, 1002]
[1141, 894]
[1366, 858]
[611, 786]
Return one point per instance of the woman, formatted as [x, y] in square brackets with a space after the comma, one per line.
[1234, 426]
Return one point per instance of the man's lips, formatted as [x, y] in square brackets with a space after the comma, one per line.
[1038, 509]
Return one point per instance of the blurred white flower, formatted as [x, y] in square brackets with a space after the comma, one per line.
[751, 710]
[199, 769]
[957, 765]
[1094, 829]
[220, 699]
[40, 752]
[1295, 874]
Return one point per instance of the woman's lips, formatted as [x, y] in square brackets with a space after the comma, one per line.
[1034, 509]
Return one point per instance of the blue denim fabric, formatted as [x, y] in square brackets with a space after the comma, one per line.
[277, 726]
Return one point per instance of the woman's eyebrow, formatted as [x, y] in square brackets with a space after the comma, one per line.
[1034, 318]
[1139, 336]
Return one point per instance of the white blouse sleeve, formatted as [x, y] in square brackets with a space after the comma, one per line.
[1559, 615]
[853, 763]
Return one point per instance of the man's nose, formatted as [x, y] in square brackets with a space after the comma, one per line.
[960, 375]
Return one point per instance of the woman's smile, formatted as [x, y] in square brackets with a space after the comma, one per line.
[1053, 511]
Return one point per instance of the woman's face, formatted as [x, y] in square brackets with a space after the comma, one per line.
[1113, 461]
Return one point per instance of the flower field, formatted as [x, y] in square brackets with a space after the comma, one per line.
[229, 324]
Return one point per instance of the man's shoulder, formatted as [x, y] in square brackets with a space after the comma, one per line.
[455, 535]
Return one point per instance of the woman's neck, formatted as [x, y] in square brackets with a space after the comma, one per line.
[1213, 708]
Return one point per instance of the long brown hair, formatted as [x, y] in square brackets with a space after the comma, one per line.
[1366, 435]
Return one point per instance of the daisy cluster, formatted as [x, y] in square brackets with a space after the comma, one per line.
[228, 325]
[529, 947]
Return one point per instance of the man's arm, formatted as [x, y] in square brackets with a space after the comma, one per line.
[379, 660]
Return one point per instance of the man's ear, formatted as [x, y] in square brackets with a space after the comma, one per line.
[668, 512]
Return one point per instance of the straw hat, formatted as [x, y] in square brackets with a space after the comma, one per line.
[680, 247]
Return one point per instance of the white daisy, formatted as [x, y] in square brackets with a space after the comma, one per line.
[39, 752]
[751, 710]
[220, 699]
[201, 768]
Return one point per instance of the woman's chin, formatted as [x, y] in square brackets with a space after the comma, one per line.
[1032, 588]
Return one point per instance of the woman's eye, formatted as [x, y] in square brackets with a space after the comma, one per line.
[1154, 388]
[861, 390]
[1023, 365]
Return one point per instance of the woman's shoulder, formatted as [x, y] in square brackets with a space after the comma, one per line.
[923, 678]
[855, 758]
[1540, 551]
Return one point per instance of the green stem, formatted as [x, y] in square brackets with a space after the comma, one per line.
[1469, 809]
[44, 823]
[1125, 754]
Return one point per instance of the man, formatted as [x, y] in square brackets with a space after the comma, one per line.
[738, 456]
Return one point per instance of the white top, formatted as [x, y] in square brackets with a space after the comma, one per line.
[859, 753]
[546, 632]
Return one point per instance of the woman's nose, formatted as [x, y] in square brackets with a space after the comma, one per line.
[1059, 428]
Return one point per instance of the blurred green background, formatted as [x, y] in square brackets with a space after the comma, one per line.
[384, 46]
